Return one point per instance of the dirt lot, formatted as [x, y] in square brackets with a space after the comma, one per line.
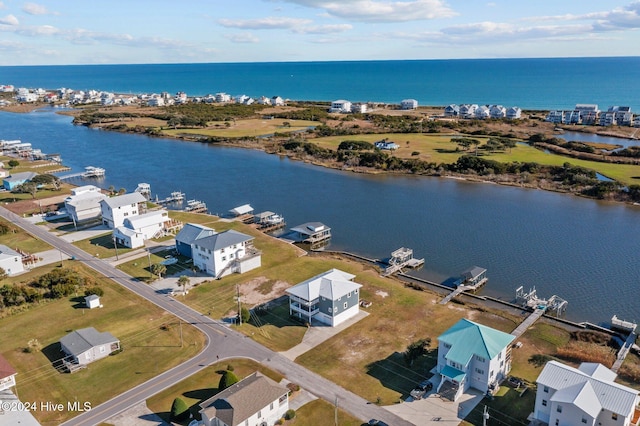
[260, 290]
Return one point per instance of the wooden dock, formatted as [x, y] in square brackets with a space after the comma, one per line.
[402, 258]
[528, 322]
[459, 290]
[624, 351]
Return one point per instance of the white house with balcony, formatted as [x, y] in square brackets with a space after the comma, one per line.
[586, 395]
[497, 111]
[136, 229]
[483, 112]
[84, 203]
[225, 253]
[468, 110]
[115, 210]
[514, 113]
[340, 106]
[408, 104]
[255, 400]
[330, 298]
[472, 355]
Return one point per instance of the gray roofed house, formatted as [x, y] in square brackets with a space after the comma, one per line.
[188, 236]
[10, 260]
[224, 253]
[584, 395]
[473, 276]
[255, 400]
[115, 209]
[330, 298]
[87, 345]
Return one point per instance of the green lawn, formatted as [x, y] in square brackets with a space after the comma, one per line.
[146, 333]
[101, 246]
[510, 406]
[248, 128]
[18, 238]
[203, 385]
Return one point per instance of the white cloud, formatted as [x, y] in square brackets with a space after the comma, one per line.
[9, 20]
[2, 6]
[323, 29]
[382, 11]
[270, 23]
[242, 38]
[36, 9]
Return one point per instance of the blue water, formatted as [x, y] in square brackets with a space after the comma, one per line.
[557, 83]
[582, 250]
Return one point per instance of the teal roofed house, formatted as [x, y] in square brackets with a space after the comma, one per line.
[472, 355]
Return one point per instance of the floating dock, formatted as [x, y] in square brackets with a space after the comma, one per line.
[175, 197]
[269, 221]
[471, 280]
[195, 206]
[89, 172]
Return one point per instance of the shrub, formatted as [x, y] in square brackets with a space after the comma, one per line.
[179, 410]
[290, 414]
[227, 379]
[415, 153]
[98, 291]
[587, 352]
[293, 387]
[245, 315]
[539, 360]
[230, 367]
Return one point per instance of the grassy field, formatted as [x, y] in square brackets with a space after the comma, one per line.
[146, 333]
[246, 128]
[440, 149]
[18, 238]
[101, 246]
[510, 406]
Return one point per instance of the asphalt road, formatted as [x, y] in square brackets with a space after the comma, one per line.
[222, 342]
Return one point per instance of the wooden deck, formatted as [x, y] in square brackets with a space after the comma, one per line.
[528, 322]
[623, 352]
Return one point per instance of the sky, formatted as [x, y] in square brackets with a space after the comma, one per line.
[62, 32]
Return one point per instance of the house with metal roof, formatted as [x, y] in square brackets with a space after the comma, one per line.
[311, 232]
[254, 400]
[586, 395]
[330, 298]
[84, 203]
[241, 210]
[87, 345]
[7, 374]
[115, 210]
[10, 183]
[135, 230]
[472, 355]
[186, 238]
[10, 260]
[224, 253]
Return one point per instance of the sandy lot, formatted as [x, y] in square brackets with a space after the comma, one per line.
[257, 291]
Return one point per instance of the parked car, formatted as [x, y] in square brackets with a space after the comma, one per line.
[374, 422]
[421, 389]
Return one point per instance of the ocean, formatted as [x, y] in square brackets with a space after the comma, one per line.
[541, 84]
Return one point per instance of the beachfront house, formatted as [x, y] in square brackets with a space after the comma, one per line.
[607, 118]
[623, 116]
[225, 253]
[586, 395]
[472, 355]
[408, 104]
[555, 116]
[7, 374]
[254, 400]
[15, 179]
[115, 210]
[330, 298]
[359, 108]
[10, 261]
[386, 145]
[135, 230]
[513, 113]
[589, 113]
[84, 203]
[452, 110]
[571, 117]
[186, 238]
[340, 106]
[277, 101]
[483, 112]
[497, 111]
[468, 110]
[87, 345]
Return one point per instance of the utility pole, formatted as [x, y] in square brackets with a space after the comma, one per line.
[180, 322]
[485, 416]
[239, 305]
[115, 244]
[149, 256]
[336, 411]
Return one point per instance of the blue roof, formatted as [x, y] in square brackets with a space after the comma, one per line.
[193, 231]
[453, 373]
[468, 338]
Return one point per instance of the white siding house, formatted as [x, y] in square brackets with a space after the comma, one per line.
[497, 111]
[472, 355]
[87, 345]
[135, 230]
[513, 113]
[586, 395]
[116, 209]
[84, 203]
[10, 260]
[483, 112]
[468, 110]
[408, 104]
[255, 400]
[224, 253]
[341, 106]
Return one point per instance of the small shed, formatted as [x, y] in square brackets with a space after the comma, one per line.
[92, 301]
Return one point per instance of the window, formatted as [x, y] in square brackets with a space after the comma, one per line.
[259, 414]
[546, 389]
[559, 409]
[584, 420]
[345, 305]
[330, 310]
[614, 416]
[491, 374]
[222, 251]
[557, 422]
[224, 258]
[447, 346]
[355, 291]
[271, 406]
[544, 402]
[479, 371]
[231, 256]
[349, 294]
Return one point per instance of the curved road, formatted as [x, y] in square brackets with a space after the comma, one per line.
[222, 342]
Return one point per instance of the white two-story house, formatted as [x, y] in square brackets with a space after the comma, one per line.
[135, 230]
[472, 355]
[586, 395]
[224, 253]
[84, 203]
[115, 210]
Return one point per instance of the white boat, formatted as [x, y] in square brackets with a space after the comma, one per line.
[93, 172]
[275, 219]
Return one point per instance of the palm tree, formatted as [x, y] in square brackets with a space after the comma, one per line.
[158, 269]
[184, 282]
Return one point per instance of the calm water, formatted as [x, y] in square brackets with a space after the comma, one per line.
[584, 251]
[557, 83]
